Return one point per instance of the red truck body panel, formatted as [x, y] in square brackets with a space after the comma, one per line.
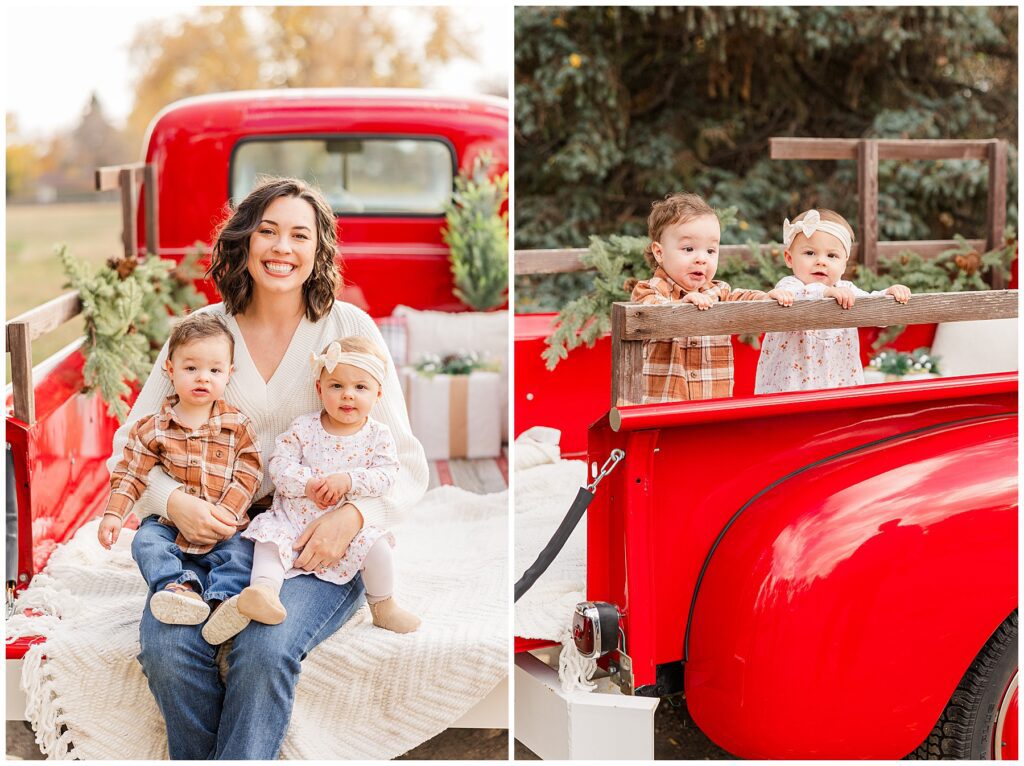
[689, 467]
[875, 576]
[192, 143]
[578, 391]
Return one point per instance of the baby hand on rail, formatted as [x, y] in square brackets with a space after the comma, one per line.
[900, 292]
[699, 300]
[784, 297]
[843, 296]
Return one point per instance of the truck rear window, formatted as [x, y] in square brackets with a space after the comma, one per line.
[359, 176]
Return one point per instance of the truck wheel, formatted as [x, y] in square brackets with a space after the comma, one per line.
[973, 725]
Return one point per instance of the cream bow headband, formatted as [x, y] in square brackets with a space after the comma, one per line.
[811, 223]
[335, 356]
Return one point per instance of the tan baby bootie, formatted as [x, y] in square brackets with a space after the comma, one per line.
[262, 604]
[390, 616]
[225, 622]
[178, 604]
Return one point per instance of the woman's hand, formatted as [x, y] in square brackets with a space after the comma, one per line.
[200, 522]
[326, 539]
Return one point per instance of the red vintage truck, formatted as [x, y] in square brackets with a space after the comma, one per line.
[825, 574]
[386, 160]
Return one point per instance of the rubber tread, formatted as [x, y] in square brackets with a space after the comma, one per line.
[955, 732]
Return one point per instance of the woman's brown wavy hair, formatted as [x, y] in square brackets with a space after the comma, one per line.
[229, 264]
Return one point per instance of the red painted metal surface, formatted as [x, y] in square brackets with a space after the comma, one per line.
[19, 646]
[59, 463]
[570, 397]
[191, 143]
[640, 417]
[678, 493]
[578, 391]
[1007, 744]
[529, 644]
[847, 602]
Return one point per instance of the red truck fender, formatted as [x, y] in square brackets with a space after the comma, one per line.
[841, 606]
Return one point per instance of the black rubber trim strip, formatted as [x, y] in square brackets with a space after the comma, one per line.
[788, 476]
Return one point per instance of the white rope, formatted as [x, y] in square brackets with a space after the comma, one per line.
[574, 670]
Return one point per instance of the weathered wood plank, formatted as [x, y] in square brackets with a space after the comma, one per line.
[49, 316]
[638, 322]
[926, 248]
[549, 261]
[627, 361]
[867, 202]
[109, 177]
[996, 217]
[888, 149]
[129, 204]
[19, 345]
[151, 201]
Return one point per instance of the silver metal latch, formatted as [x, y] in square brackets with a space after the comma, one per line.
[609, 465]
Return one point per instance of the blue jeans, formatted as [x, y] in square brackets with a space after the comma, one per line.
[247, 718]
[224, 571]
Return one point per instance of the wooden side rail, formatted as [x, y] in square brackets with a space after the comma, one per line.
[869, 151]
[888, 149]
[24, 329]
[634, 323]
[569, 260]
[127, 178]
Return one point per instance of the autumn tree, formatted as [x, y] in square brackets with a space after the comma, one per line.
[22, 156]
[222, 49]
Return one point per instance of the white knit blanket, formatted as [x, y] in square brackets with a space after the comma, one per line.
[364, 693]
[544, 494]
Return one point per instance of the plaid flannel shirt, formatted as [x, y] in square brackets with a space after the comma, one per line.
[683, 369]
[219, 462]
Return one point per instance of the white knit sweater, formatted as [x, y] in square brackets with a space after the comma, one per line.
[273, 406]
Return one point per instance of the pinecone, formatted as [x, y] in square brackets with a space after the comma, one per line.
[123, 266]
[182, 279]
[968, 263]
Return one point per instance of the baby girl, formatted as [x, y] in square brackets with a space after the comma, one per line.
[817, 247]
[338, 453]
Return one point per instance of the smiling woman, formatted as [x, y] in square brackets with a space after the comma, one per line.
[274, 264]
[287, 230]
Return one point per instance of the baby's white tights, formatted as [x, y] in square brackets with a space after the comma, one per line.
[378, 569]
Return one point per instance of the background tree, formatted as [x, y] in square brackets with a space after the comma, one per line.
[235, 48]
[615, 107]
[21, 157]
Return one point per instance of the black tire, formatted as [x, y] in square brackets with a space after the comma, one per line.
[966, 726]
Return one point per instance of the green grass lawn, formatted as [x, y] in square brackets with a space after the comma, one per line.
[34, 275]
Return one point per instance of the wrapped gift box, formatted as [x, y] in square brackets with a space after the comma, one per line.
[455, 416]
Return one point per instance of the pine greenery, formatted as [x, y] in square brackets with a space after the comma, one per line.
[617, 258]
[476, 233]
[617, 106]
[127, 305]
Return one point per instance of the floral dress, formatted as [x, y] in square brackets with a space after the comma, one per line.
[805, 360]
[307, 451]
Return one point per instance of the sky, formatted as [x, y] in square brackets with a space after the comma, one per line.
[57, 56]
